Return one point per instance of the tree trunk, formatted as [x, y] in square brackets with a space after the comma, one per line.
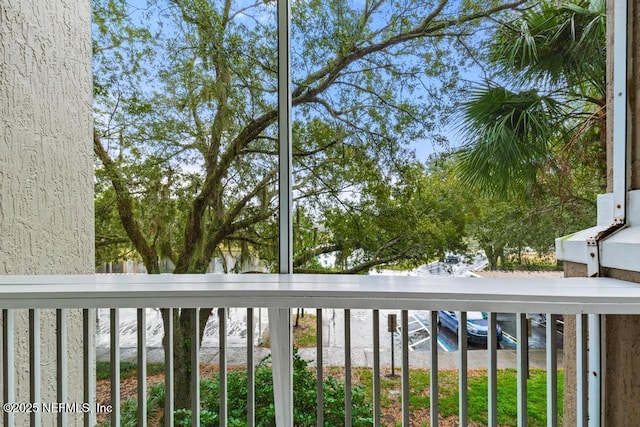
[182, 346]
[492, 258]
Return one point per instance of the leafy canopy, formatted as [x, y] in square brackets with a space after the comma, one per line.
[186, 126]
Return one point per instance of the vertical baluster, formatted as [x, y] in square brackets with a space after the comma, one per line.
[115, 365]
[581, 371]
[89, 362]
[195, 367]
[595, 370]
[433, 350]
[492, 370]
[523, 345]
[62, 364]
[552, 372]
[8, 364]
[347, 367]
[376, 368]
[142, 367]
[222, 319]
[168, 367]
[251, 374]
[319, 372]
[405, 369]
[34, 363]
[463, 399]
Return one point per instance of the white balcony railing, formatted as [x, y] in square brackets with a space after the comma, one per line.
[576, 296]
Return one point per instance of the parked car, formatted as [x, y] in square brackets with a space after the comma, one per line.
[452, 259]
[477, 325]
[541, 318]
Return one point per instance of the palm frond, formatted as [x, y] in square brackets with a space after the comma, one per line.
[552, 44]
[507, 137]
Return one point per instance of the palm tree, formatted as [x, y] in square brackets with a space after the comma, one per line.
[544, 106]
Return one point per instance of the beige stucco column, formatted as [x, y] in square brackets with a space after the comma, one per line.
[46, 166]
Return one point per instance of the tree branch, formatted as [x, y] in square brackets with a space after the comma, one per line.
[125, 208]
[312, 253]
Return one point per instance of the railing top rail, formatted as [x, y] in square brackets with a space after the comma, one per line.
[553, 295]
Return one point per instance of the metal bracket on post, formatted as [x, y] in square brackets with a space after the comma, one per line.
[593, 247]
[593, 258]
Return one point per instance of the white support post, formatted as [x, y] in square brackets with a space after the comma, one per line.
[281, 345]
[280, 318]
[621, 159]
[285, 148]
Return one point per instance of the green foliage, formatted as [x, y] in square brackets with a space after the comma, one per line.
[535, 145]
[506, 228]
[304, 383]
[186, 132]
[515, 128]
[560, 43]
[127, 369]
[532, 127]
[305, 406]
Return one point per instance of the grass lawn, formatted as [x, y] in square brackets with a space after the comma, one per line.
[448, 395]
[391, 403]
[304, 335]
[127, 370]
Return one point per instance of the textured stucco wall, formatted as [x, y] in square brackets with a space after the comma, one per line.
[571, 269]
[46, 169]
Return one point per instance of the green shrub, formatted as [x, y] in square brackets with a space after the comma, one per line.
[304, 400]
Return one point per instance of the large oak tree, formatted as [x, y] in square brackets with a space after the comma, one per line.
[186, 131]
